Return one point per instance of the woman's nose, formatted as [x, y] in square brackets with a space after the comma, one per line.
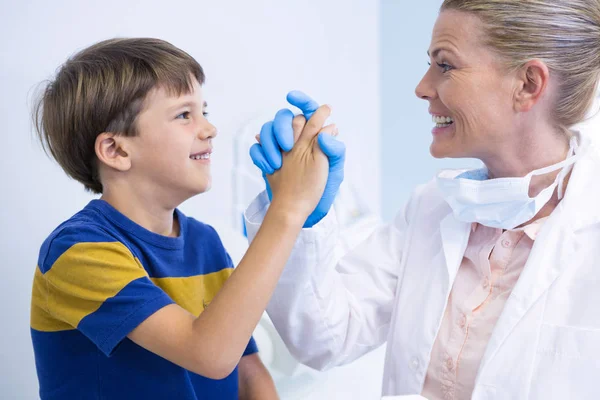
[425, 89]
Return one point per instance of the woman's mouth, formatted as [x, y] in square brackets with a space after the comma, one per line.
[441, 121]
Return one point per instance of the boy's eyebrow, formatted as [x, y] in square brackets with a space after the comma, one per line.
[189, 103]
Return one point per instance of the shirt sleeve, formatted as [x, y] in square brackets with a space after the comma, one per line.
[330, 310]
[251, 348]
[95, 284]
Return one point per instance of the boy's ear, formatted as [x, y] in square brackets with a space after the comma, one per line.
[111, 149]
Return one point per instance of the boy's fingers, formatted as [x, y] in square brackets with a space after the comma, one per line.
[298, 124]
[314, 124]
[330, 129]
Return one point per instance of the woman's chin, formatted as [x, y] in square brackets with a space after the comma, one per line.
[447, 149]
[440, 150]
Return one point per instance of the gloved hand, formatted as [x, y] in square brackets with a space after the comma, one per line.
[278, 135]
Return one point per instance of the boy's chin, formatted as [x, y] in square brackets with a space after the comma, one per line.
[203, 188]
[189, 192]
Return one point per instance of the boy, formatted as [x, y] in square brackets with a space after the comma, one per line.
[120, 294]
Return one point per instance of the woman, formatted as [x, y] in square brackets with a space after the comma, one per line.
[484, 285]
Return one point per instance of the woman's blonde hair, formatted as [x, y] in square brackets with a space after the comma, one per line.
[564, 34]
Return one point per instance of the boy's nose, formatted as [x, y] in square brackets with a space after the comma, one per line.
[207, 131]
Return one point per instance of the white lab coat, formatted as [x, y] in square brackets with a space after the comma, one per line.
[395, 286]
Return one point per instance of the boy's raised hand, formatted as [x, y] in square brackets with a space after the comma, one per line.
[278, 136]
[299, 184]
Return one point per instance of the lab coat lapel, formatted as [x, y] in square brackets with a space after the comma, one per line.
[455, 237]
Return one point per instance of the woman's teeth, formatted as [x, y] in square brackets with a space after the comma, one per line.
[204, 156]
[442, 122]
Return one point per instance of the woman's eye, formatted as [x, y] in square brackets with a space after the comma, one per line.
[184, 115]
[445, 67]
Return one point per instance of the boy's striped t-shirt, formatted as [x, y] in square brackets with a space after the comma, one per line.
[100, 275]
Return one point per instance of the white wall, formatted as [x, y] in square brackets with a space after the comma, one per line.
[253, 52]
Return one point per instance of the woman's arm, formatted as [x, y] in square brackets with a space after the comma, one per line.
[330, 312]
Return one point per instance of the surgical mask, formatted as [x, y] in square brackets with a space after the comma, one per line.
[502, 202]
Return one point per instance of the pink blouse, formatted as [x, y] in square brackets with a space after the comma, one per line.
[489, 270]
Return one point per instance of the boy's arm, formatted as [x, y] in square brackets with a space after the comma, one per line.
[255, 382]
[212, 344]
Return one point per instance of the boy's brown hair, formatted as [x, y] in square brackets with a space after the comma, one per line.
[102, 89]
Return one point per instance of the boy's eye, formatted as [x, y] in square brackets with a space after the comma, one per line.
[184, 115]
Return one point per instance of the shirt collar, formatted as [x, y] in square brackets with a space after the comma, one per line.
[533, 228]
[530, 230]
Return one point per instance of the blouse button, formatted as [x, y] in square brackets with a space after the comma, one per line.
[414, 364]
[449, 364]
[462, 321]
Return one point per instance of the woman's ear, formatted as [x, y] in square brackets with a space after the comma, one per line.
[111, 150]
[532, 82]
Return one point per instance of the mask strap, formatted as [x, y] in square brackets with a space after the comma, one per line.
[566, 166]
[570, 159]
[561, 177]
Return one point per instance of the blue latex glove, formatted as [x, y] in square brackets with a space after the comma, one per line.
[278, 135]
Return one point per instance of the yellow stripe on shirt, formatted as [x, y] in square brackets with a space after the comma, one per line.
[79, 282]
[41, 319]
[194, 293]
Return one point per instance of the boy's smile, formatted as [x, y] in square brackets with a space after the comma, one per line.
[172, 152]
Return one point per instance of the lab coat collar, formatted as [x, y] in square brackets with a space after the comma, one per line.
[455, 237]
[581, 203]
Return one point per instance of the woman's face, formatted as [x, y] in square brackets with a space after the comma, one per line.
[469, 92]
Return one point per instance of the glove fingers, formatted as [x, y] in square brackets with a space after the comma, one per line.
[269, 145]
[269, 193]
[333, 149]
[301, 100]
[259, 159]
[282, 129]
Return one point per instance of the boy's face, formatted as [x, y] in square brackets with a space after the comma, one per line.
[170, 156]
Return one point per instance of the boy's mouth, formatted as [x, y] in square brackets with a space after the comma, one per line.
[201, 156]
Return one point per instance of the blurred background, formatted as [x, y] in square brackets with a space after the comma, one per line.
[363, 57]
